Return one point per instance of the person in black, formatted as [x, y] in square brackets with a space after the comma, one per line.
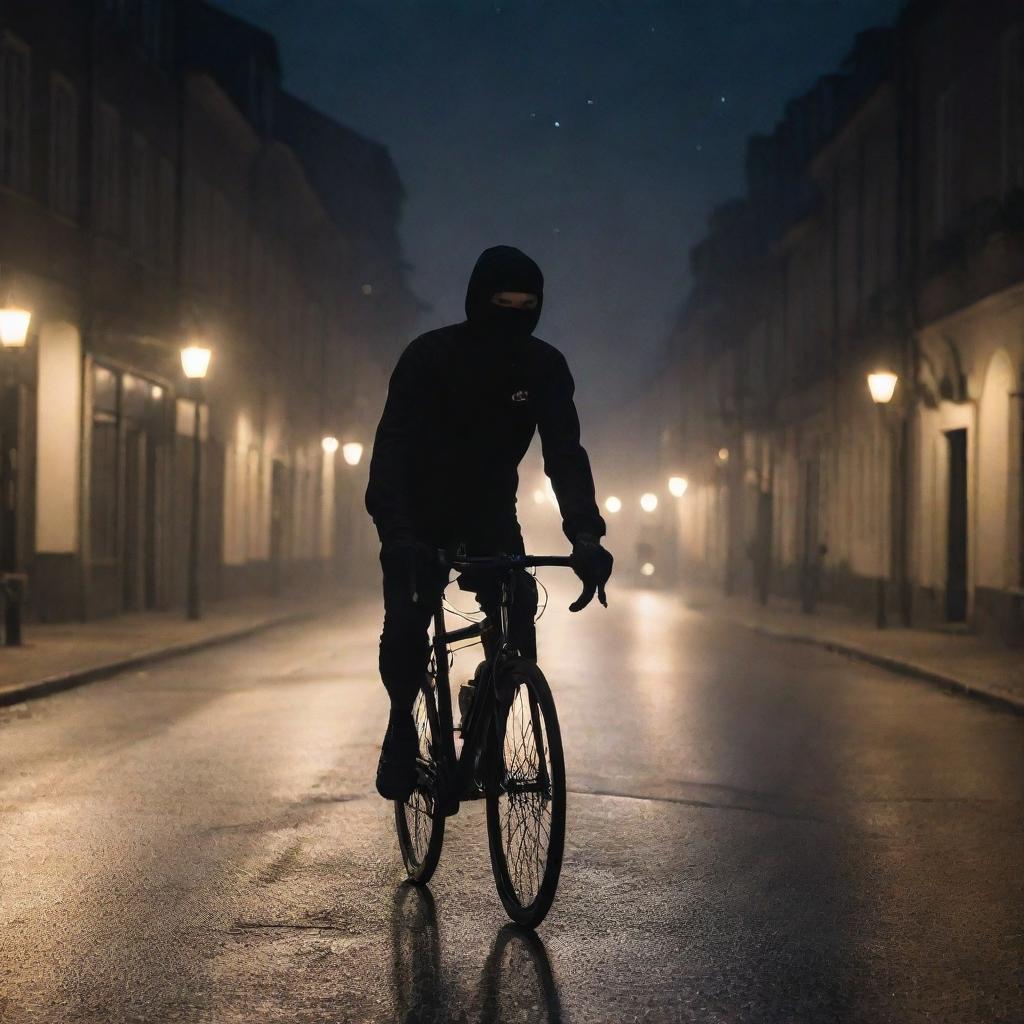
[462, 407]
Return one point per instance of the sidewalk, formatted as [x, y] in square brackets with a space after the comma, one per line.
[973, 665]
[58, 657]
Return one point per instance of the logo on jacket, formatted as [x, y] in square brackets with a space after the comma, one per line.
[520, 396]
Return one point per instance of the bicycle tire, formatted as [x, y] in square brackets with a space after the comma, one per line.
[519, 796]
[421, 841]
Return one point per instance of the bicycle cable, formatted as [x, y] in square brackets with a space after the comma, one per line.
[544, 607]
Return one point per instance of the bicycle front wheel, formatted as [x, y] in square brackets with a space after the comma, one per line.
[420, 819]
[526, 794]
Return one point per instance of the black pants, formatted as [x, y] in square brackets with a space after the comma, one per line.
[404, 647]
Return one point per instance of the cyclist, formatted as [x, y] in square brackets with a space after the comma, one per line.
[462, 407]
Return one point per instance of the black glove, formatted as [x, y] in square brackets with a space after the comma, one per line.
[593, 564]
[403, 554]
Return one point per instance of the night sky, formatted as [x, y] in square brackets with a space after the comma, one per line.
[595, 134]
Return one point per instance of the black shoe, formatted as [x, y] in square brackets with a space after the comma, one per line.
[396, 769]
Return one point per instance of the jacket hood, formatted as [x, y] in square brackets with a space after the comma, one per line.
[503, 269]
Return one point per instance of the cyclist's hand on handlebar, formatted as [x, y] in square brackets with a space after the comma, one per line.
[593, 564]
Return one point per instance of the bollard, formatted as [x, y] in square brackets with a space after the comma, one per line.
[13, 586]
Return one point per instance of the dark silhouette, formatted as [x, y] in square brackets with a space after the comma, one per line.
[517, 972]
[463, 405]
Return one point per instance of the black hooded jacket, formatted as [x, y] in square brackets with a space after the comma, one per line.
[462, 407]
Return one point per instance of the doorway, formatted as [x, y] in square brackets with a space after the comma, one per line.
[141, 412]
[956, 529]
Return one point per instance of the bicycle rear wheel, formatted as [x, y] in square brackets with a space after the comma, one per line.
[420, 819]
[526, 794]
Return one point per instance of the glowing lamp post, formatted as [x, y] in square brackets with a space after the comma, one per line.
[195, 361]
[677, 486]
[352, 453]
[648, 502]
[612, 504]
[882, 386]
[14, 324]
[329, 444]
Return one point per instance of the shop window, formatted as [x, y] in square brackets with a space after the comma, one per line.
[15, 114]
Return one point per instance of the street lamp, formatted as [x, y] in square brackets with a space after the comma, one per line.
[352, 453]
[612, 504]
[329, 444]
[14, 323]
[539, 497]
[882, 386]
[195, 361]
[648, 502]
[677, 486]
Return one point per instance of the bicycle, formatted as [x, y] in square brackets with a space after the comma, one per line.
[511, 756]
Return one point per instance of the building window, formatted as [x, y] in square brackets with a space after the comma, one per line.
[15, 114]
[1012, 104]
[103, 475]
[63, 148]
[139, 203]
[165, 215]
[108, 170]
[947, 181]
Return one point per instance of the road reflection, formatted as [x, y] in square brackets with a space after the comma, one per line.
[517, 982]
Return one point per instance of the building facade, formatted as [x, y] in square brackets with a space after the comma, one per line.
[882, 228]
[149, 198]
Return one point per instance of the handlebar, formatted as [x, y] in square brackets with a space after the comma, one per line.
[502, 562]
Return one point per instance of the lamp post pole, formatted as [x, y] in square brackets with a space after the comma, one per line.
[195, 361]
[14, 325]
[881, 618]
[882, 386]
[193, 609]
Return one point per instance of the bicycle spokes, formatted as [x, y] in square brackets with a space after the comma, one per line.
[525, 804]
[420, 823]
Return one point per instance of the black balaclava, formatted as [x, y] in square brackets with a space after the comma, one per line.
[503, 269]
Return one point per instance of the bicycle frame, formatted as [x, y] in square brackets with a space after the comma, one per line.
[459, 781]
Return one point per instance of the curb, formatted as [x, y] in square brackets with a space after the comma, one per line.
[69, 680]
[996, 698]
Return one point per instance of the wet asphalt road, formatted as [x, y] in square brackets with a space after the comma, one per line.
[757, 832]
